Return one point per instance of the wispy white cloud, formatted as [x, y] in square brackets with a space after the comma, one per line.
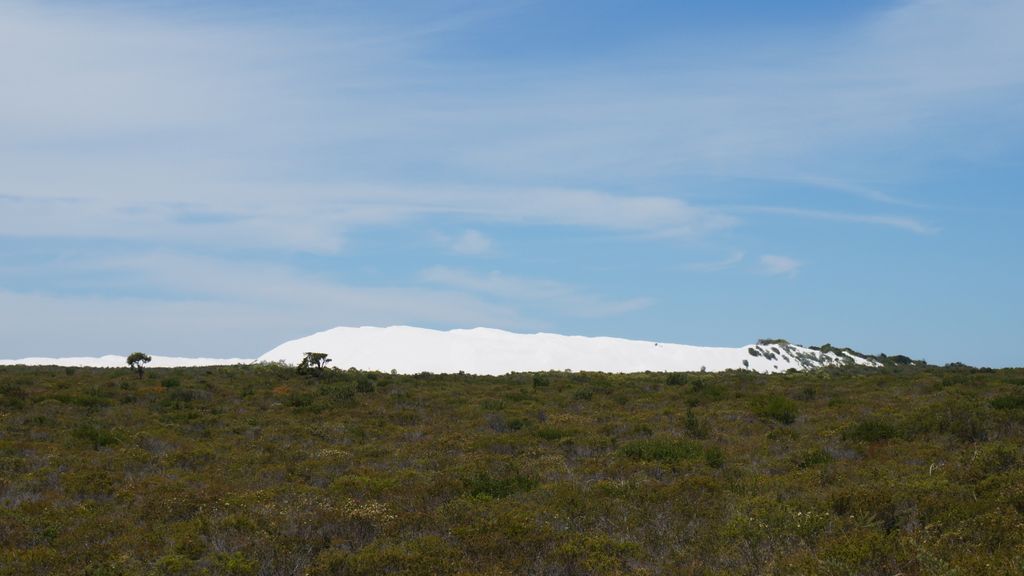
[717, 265]
[472, 242]
[552, 294]
[317, 219]
[177, 304]
[588, 208]
[901, 222]
[775, 265]
[852, 188]
[245, 308]
[140, 112]
[875, 83]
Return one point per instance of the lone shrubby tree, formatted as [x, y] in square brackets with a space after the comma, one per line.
[137, 360]
[313, 363]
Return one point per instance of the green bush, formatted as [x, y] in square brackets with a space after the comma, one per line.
[775, 407]
[235, 564]
[422, 556]
[676, 379]
[993, 458]
[583, 394]
[12, 395]
[965, 419]
[714, 457]
[813, 457]
[337, 392]
[694, 426]
[870, 430]
[664, 450]
[553, 433]
[174, 565]
[95, 436]
[497, 486]
[1008, 402]
[597, 554]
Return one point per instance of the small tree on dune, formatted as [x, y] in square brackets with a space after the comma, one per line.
[314, 363]
[137, 360]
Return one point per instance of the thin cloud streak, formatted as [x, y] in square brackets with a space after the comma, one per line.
[899, 222]
[857, 190]
[775, 265]
[716, 266]
[549, 293]
[472, 243]
[319, 223]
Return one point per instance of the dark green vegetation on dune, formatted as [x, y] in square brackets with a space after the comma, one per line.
[258, 470]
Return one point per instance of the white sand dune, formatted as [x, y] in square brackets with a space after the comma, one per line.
[114, 361]
[409, 350]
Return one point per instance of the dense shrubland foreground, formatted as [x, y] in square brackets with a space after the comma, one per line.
[260, 470]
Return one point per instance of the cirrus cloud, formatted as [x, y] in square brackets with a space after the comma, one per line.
[775, 265]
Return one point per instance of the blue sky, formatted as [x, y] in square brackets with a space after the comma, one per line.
[195, 178]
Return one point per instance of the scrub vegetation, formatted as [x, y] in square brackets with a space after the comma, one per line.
[260, 470]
